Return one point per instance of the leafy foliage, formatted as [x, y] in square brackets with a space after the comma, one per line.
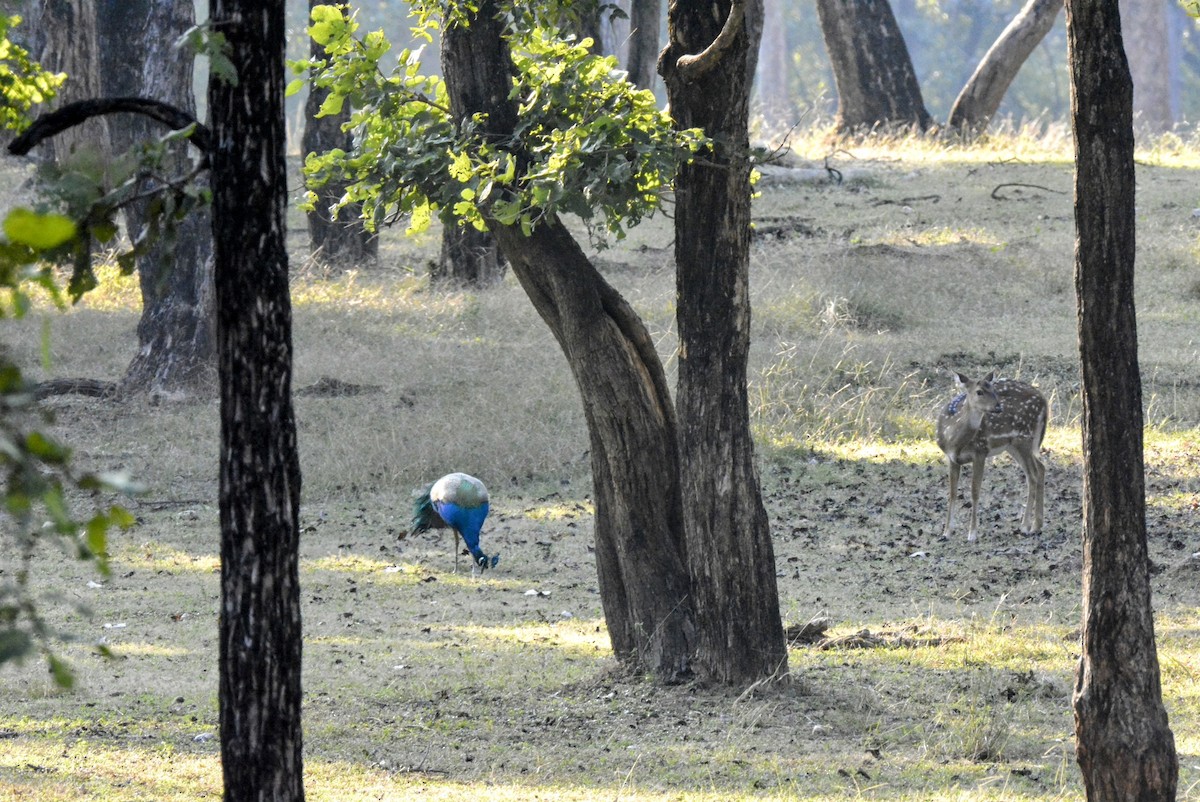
[37, 468]
[23, 83]
[587, 142]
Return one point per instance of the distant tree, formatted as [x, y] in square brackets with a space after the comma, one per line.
[876, 84]
[980, 98]
[139, 57]
[645, 18]
[61, 35]
[707, 69]
[1123, 743]
[776, 101]
[1144, 29]
[259, 692]
[340, 239]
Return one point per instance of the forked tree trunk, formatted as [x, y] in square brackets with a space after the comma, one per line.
[176, 340]
[730, 555]
[344, 240]
[980, 98]
[259, 692]
[876, 84]
[639, 544]
[1123, 743]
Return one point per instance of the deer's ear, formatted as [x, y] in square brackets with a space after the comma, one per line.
[988, 378]
[960, 380]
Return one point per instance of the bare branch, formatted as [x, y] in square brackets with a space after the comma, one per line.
[72, 114]
[692, 67]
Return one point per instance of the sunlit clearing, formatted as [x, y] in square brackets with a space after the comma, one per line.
[565, 511]
[945, 236]
[157, 557]
[583, 636]
[147, 650]
[351, 563]
[909, 452]
[350, 291]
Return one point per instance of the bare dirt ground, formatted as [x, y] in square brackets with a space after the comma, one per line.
[945, 667]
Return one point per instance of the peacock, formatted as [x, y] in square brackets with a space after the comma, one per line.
[460, 502]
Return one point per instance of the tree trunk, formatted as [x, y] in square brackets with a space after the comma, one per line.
[1144, 28]
[61, 36]
[645, 17]
[729, 549]
[626, 401]
[176, 340]
[876, 84]
[469, 258]
[1124, 746]
[979, 99]
[259, 629]
[344, 240]
[775, 99]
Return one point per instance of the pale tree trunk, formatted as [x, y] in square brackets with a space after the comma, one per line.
[980, 98]
[1144, 29]
[61, 36]
[259, 630]
[876, 84]
[730, 555]
[1123, 743]
[645, 17]
[176, 340]
[775, 100]
[626, 401]
[344, 240]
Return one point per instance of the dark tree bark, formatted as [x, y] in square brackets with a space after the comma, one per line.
[729, 549]
[259, 630]
[876, 84]
[631, 424]
[1123, 743]
[979, 99]
[1144, 25]
[176, 340]
[61, 36]
[469, 258]
[344, 240]
[645, 18]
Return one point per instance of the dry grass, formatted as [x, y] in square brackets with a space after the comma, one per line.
[419, 681]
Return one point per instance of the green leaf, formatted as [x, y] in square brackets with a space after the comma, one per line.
[332, 105]
[295, 86]
[63, 677]
[14, 645]
[41, 232]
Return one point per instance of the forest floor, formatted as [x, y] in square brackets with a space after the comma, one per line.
[945, 668]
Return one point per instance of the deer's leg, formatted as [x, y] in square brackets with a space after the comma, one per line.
[976, 483]
[955, 468]
[1035, 489]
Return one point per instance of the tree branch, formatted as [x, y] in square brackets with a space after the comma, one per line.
[692, 67]
[72, 114]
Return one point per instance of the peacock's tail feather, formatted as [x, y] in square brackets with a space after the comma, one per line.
[425, 515]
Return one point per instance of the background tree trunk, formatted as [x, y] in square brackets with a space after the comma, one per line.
[344, 240]
[631, 426]
[979, 99]
[645, 18]
[775, 99]
[469, 258]
[876, 84]
[730, 556]
[176, 339]
[259, 631]
[61, 35]
[1124, 746]
[1144, 30]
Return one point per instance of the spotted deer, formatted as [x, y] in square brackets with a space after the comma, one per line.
[986, 417]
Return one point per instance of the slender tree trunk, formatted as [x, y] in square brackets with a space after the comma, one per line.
[344, 240]
[176, 339]
[775, 99]
[1144, 25]
[469, 258]
[259, 630]
[1124, 746]
[645, 17]
[979, 99]
[631, 425]
[61, 36]
[876, 84]
[729, 549]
